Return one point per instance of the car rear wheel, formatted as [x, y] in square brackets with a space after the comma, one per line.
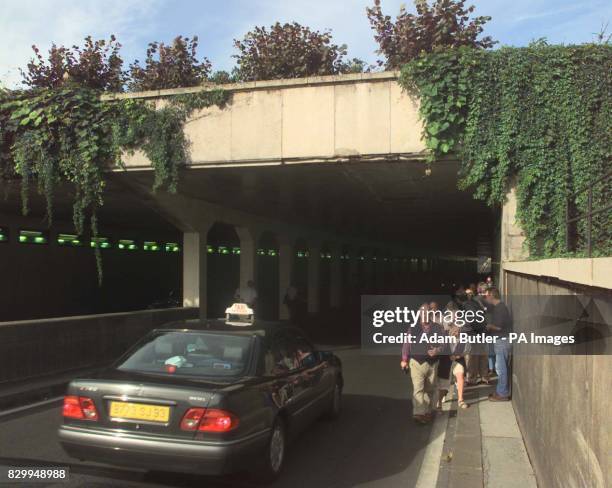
[275, 454]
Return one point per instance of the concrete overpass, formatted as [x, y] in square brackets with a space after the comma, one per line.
[336, 162]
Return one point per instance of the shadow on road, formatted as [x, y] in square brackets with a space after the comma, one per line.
[373, 441]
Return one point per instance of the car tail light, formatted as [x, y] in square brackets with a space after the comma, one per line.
[217, 421]
[79, 408]
[208, 420]
[191, 420]
[89, 408]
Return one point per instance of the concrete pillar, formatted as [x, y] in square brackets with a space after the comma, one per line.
[314, 267]
[335, 285]
[248, 245]
[286, 254]
[194, 271]
[512, 237]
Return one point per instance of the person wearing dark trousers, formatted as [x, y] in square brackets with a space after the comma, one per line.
[499, 327]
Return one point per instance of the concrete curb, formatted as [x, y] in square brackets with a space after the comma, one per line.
[483, 446]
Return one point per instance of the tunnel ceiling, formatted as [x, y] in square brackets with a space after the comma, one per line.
[122, 208]
[391, 201]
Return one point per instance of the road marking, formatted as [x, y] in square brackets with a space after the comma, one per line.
[428, 474]
[4, 413]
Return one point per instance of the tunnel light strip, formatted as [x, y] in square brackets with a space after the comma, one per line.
[100, 242]
[69, 240]
[151, 246]
[127, 244]
[32, 237]
[172, 247]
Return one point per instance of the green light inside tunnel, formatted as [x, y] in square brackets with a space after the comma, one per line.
[32, 237]
[235, 250]
[69, 240]
[150, 246]
[4, 236]
[271, 252]
[261, 252]
[172, 247]
[127, 244]
[303, 254]
[210, 249]
[100, 242]
[223, 250]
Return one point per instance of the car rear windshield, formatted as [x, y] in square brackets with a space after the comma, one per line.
[191, 354]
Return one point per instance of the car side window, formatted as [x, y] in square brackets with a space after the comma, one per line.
[305, 353]
[280, 357]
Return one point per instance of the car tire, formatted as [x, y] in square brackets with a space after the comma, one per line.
[272, 464]
[335, 406]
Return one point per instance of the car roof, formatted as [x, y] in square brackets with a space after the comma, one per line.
[259, 327]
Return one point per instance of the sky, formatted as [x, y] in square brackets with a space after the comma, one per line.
[218, 22]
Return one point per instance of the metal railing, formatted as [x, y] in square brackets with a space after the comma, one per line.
[590, 231]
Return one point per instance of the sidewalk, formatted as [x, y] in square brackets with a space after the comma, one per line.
[483, 446]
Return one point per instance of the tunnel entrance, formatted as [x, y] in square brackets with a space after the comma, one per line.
[394, 227]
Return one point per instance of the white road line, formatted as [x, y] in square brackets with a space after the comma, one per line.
[4, 413]
[428, 475]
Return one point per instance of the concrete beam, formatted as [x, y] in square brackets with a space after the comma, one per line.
[315, 119]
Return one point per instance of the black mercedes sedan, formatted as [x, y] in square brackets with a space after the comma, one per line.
[207, 398]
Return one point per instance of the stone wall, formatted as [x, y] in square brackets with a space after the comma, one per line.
[562, 402]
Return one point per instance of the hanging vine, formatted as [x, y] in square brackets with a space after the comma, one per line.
[70, 134]
[538, 116]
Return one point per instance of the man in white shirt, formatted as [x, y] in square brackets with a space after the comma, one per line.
[247, 294]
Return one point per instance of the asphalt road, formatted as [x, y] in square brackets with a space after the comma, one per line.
[373, 443]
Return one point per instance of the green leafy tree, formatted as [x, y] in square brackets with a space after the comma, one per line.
[290, 51]
[170, 66]
[445, 24]
[97, 65]
[535, 117]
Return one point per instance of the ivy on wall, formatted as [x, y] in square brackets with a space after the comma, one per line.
[538, 116]
[70, 135]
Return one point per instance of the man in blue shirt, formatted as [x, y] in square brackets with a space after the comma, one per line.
[500, 326]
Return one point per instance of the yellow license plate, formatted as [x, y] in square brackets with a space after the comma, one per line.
[139, 411]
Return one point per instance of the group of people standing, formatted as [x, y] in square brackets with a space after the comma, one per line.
[436, 366]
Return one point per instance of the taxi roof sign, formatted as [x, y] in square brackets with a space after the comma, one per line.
[239, 314]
